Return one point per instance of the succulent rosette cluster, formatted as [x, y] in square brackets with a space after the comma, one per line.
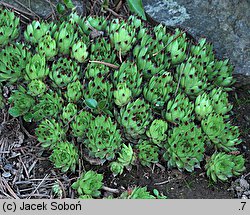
[126, 158]
[65, 156]
[157, 131]
[9, 26]
[159, 90]
[37, 30]
[185, 147]
[121, 91]
[148, 153]
[103, 138]
[13, 61]
[222, 166]
[89, 184]
[222, 134]
[150, 53]
[179, 109]
[123, 34]
[134, 118]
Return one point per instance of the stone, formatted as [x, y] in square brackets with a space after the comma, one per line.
[225, 23]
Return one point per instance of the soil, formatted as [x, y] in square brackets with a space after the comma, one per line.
[26, 171]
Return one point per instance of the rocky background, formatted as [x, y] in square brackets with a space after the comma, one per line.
[226, 23]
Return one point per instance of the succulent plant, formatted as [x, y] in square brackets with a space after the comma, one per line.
[50, 104]
[69, 112]
[220, 73]
[125, 159]
[223, 135]
[49, 133]
[36, 68]
[13, 59]
[36, 30]
[122, 36]
[223, 166]
[100, 89]
[185, 147]
[116, 168]
[81, 123]
[159, 89]
[89, 184]
[134, 118]
[177, 46]
[150, 56]
[103, 138]
[220, 102]
[202, 52]
[65, 37]
[203, 106]
[96, 70]
[160, 33]
[126, 156]
[179, 109]
[85, 197]
[229, 138]
[73, 19]
[129, 74]
[137, 193]
[65, 156]
[79, 51]
[192, 78]
[213, 125]
[102, 72]
[148, 153]
[122, 94]
[74, 91]
[47, 47]
[22, 103]
[64, 71]
[101, 50]
[157, 131]
[9, 26]
[36, 88]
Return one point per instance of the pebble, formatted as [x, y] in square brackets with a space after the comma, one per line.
[6, 174]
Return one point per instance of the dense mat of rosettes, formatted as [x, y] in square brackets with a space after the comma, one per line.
[125, 91]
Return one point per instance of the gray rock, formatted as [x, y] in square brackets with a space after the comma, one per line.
[223, 22]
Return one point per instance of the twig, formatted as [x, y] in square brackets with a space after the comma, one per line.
[163, 182]
[120, 55]
[114, 13]
[111, 190]
[161, 167]
[16, 9]
[118, 6]
[25, 169]
[52, 6]
[32, 166]
[104, 63]
[35, 195]
[62, 187]
[27, 8]
[38, 185]
[9, 189]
